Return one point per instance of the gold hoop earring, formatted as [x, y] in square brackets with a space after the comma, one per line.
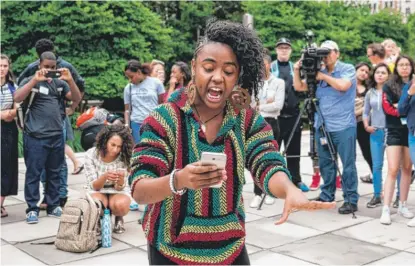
[240, 98]
[191, 93]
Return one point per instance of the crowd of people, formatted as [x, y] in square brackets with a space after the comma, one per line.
[231, 99]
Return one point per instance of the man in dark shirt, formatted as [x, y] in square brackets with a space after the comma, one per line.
[43, 143]
[283, 68]
[46, 45]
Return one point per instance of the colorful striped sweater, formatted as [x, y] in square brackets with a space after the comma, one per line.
[205, 226]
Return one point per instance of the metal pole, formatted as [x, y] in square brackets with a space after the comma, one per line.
[248, 21]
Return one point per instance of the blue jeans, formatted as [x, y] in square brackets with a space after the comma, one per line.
[344, 143]
[136, 131]
[63, 173]
[411, 141]
[377, 148]
[39, 154]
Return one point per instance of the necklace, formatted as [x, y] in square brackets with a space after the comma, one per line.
[204, 123]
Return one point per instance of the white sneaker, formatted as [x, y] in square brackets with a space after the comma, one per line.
[404, 212]
[269, 200]
[411, 223]
[386, 216]
[255, 202]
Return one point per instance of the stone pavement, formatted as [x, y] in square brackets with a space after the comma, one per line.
[322, 238]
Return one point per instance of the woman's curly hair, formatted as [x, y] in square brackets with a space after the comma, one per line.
[247, 47]
[115, 130]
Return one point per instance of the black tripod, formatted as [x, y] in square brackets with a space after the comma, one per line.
[311, 106]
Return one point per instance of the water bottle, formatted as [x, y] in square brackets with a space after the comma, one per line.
[106, 229]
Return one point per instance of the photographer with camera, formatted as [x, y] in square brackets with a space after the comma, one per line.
[335, 96]
[283, 68]
[44, 146]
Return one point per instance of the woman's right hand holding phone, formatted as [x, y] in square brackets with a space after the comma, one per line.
[197, 176]
[111, 176]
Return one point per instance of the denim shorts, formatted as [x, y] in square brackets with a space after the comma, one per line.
[397, 136]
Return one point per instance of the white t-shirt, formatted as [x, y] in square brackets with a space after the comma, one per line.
[144, 98]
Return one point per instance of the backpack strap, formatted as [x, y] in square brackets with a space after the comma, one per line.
[44, 243]
[12, 88]
[32, 97]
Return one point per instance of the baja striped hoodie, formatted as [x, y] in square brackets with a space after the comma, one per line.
[205, 226]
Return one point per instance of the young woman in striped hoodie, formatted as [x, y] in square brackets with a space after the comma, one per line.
[186, 221]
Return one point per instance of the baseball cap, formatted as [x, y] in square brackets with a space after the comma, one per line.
[283, 41]
[330, 45]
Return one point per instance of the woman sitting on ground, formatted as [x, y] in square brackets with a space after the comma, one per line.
[106, 167]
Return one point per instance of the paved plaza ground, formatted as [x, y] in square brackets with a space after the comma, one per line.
[322, 238]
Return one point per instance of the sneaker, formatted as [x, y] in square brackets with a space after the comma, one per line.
[133, 205]
[374, 202]
[338, 183]
[396, 203]
[404, 212]
[411, 223]
[31, 217]
[348, 208]
[386, 216]
[367, 179]
[269, 200]
[255, 202]
[57, 212]
[303, 187]
[315, 184]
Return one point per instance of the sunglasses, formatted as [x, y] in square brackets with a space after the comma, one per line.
[157, 62]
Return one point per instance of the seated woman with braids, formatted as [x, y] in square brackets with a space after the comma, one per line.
[106, 167]
[187, 221]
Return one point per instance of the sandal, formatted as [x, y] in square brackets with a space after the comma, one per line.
[3, 212]
[366, 179]
[78, 170]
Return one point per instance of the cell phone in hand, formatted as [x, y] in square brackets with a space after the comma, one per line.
[214, 158]
[53, 74]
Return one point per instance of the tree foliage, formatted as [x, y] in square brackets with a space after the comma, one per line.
[96, 37]
[353, 28]
[99, 37]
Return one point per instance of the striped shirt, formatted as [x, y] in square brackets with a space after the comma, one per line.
[6, 98]
[205, 226]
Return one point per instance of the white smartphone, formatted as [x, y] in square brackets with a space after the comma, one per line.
[214, 158]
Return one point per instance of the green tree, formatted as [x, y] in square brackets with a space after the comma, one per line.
[96, 37]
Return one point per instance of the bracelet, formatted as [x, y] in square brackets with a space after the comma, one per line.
[171, 183]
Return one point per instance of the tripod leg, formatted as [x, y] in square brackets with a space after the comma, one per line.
[297, 121]
[262, 202]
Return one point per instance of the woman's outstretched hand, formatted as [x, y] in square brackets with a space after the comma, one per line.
[296, 200]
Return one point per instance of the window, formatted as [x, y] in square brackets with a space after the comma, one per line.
[408, 11]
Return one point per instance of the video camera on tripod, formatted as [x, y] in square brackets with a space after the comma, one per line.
[311, 61]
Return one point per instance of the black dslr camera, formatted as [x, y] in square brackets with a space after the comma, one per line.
[311, 64]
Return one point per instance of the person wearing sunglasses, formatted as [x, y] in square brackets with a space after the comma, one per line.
[336, 91]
